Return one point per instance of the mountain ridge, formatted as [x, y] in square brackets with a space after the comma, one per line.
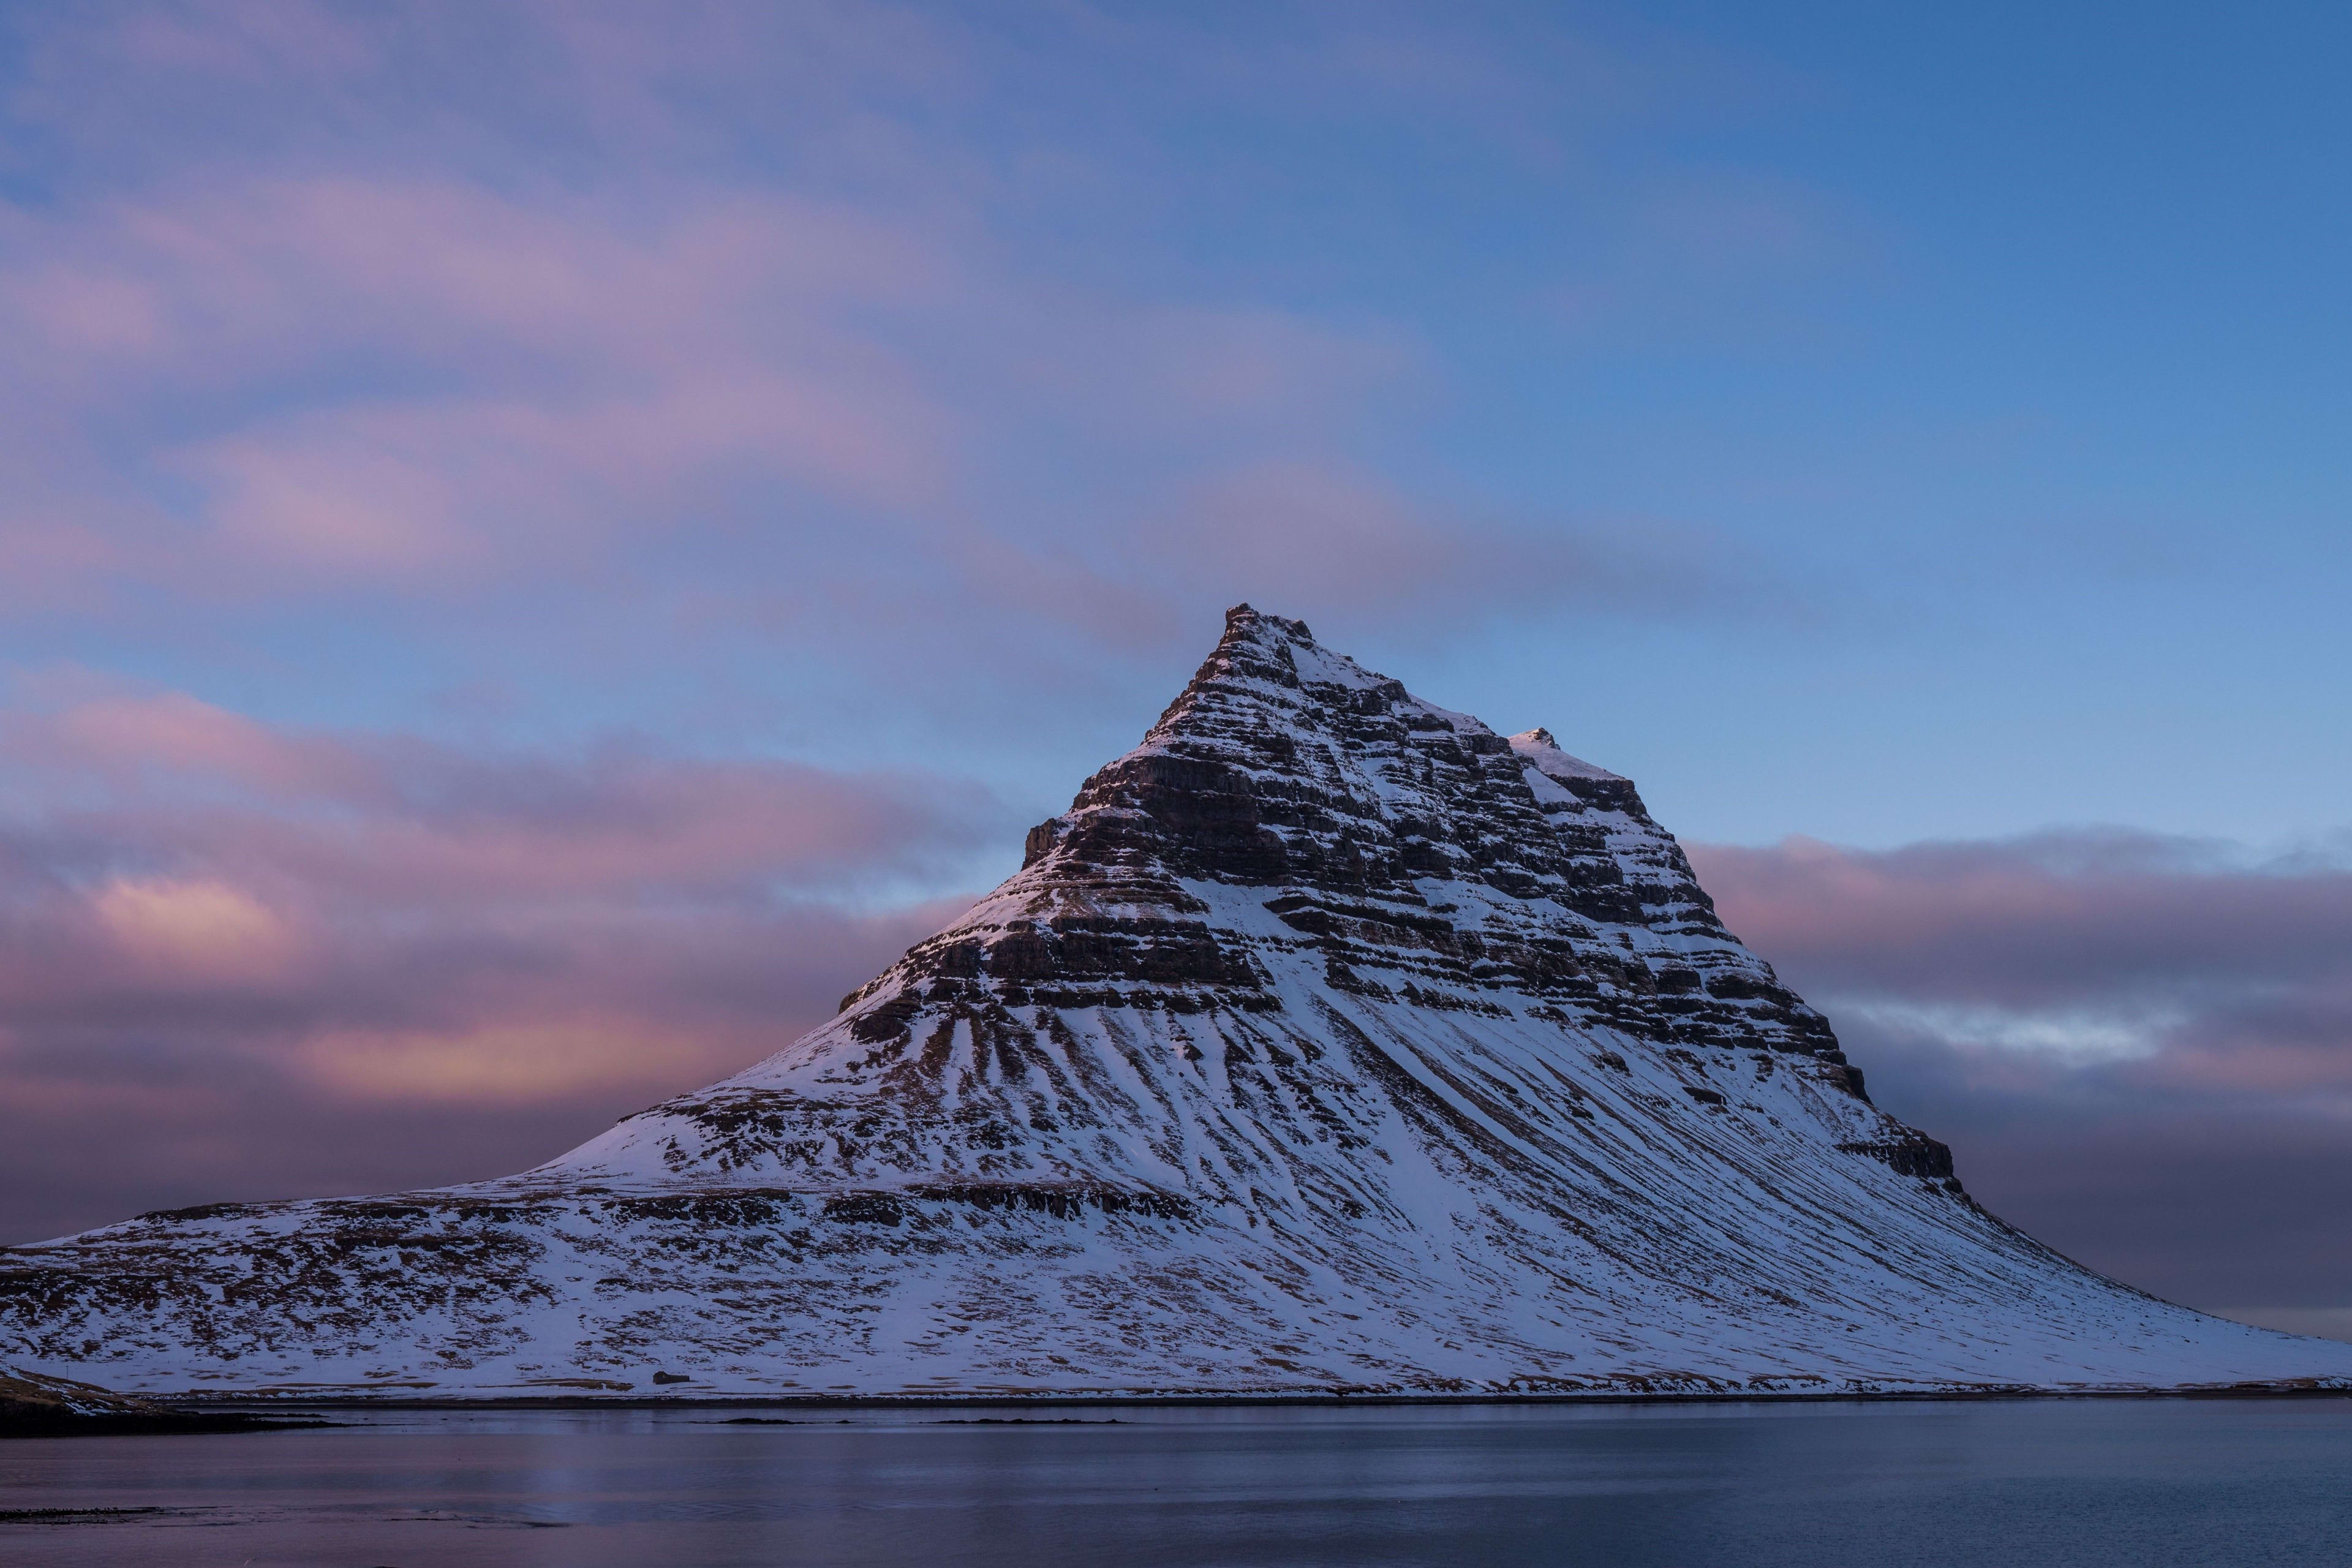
[1329, 1041]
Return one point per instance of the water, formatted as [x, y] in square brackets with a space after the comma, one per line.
[2083, 1483]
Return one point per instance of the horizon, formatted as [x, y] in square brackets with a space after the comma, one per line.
[553, 542]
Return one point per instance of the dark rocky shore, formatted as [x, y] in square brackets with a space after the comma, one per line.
[32, 1406]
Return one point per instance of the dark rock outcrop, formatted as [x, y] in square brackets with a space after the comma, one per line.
[33, 1405]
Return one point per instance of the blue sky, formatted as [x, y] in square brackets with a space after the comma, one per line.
[1873, 426]
[729, 468]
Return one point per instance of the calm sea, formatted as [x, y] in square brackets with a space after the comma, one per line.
[2083, 1483]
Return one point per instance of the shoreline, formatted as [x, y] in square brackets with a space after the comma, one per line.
[1198, 1401]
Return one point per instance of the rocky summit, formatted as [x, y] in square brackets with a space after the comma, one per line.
[1330, 1041]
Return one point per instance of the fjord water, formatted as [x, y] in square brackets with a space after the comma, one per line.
[2149, 1483]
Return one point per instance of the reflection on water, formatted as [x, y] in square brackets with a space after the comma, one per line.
[2197, 1483]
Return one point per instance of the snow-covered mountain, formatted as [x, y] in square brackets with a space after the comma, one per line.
[1328, 1041]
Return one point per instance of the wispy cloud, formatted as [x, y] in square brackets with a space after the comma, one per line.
[419, 304]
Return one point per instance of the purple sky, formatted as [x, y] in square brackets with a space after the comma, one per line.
[544, 542]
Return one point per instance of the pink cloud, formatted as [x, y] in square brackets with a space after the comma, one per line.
[127, 736]
[608, 373]
[415, 304]
[203, 927]
[386, 816]
[595, 369]
[332, 927]
[585, 376]
[2051, 917]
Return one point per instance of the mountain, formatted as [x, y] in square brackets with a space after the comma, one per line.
[1328, 1041]
[33, 1405]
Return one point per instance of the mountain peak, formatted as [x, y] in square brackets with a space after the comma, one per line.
[1543, 753]
[1285, 764]
[1251, 621]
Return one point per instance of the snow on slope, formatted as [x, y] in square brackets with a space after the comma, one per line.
[1328, 1041]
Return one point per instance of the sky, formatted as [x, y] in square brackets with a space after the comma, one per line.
[545, 542]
